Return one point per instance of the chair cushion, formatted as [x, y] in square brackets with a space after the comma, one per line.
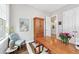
[19, 42]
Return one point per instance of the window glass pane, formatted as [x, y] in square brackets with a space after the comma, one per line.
[1, 27]
[4, 24]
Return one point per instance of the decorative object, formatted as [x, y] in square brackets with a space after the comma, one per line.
[59, 23]
[53, 19]
[24, 24]
[53, 26]
[65, 37]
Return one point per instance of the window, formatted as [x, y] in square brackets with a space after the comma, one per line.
[4, 24]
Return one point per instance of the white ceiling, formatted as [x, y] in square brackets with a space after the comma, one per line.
[47, 7]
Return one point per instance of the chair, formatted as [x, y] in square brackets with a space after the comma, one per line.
[33, 48]
[17, 41]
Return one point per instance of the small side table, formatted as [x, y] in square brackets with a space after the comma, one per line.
[10, 50]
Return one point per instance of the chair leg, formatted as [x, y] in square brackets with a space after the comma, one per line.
[20, 47]
[48, 51]
[39, 49]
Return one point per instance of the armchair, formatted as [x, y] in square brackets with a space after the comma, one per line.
[17, 41]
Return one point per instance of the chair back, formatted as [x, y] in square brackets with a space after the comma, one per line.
[14, 37]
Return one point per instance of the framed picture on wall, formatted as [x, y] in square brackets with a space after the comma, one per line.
[59, 23]
[24, 24]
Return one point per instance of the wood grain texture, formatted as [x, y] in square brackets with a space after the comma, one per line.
[38, 27]
[56, 46]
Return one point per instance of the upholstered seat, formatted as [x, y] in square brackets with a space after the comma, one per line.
[20, 42]
[16, 39]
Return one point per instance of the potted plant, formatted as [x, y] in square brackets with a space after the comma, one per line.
[65, 37]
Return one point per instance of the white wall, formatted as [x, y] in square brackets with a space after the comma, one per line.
[65, 20]
[71, 21]
[3, 45]
[18, 11]
[59, 14]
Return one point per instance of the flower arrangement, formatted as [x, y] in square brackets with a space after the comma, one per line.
[65, 37]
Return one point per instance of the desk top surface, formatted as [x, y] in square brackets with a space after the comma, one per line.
[56, 46]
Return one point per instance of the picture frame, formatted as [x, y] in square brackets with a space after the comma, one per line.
[59, 23]
[24, 24]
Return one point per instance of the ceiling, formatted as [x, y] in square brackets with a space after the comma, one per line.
[47, 7]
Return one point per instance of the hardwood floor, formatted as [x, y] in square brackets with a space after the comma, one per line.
[56, 46]
[22, 50]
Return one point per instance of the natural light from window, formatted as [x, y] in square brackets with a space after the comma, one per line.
[4, 21]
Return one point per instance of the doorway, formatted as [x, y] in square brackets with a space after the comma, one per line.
[53, 26]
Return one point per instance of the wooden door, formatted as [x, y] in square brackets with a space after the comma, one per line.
[42, 27]
[38, 27]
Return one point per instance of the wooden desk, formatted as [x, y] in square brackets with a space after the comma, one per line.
[56, 46]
